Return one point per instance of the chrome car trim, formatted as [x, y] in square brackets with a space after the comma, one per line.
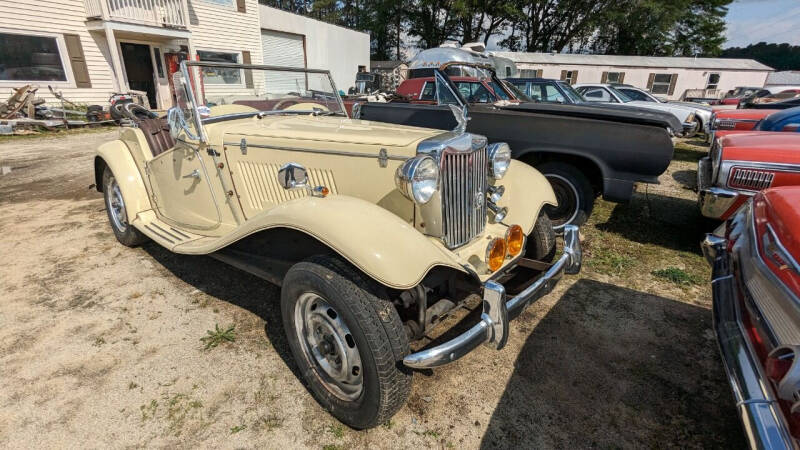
[726, 166]
[761, 416]
[715, 201]
[493, 327]
[379, 156]
[792, 263]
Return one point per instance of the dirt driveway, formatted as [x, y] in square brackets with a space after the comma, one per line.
[100, 344]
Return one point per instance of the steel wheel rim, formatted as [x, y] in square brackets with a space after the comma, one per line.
[567, 195]
[116, 205]
[328, 346]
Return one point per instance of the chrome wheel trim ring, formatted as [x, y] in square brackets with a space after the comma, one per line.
[328, 346]
[574, 190]
[116, 205]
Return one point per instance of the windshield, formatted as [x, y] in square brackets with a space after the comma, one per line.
[621, 95]
[498, 90]
[232, 90]
[572, 93]
[517, 88]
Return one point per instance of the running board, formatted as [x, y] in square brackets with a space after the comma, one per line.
[168, 236]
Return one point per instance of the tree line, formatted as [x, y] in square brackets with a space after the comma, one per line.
[630, 27]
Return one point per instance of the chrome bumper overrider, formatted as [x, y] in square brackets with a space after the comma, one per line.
[690, 128]
[713, 201]
[498, 311]
[762, 418]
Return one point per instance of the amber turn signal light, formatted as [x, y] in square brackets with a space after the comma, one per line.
[515, 239]
[496, 253]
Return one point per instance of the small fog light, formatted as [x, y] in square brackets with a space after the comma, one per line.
[499, 213]
[496, 253]
[515, 239]
[495, 193]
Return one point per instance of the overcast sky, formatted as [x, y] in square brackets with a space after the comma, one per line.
[753, 21]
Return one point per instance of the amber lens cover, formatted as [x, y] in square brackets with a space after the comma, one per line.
[496, 254]
[514, 239]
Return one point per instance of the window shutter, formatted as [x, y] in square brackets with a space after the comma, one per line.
[604, 77]
[539, 73]
[621, 77]
[248, 73]
[240, 6]
[650, 80]
[78, 62]
[563, 75]
[672, 81]
[574, 77]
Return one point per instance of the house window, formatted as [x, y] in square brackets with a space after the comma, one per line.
[569, 76]
[713, 81]
[527, 73]
[220, 75]
[662, 83]
[220, 2]
[615, 77]
[30, 58]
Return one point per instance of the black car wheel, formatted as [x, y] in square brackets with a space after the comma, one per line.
[542, 240]
[574, 194]
[347, 340]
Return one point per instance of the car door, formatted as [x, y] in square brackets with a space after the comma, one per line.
[182, 189]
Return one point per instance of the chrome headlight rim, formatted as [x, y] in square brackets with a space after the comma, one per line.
[499, 159]
[418, 179]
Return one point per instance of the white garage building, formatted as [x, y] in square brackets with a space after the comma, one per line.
[89, 49]
[668, 77]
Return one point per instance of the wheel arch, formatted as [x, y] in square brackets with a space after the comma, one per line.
[594, 170]
[117, 157]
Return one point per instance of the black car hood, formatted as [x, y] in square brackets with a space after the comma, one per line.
[611, 113]
[783, 104]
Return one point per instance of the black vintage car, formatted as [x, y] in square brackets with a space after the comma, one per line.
[584, 150]
[784, 104]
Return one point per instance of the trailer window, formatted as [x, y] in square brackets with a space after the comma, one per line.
[30, 58]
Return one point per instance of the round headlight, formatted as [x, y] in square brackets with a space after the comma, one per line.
[499, 159]
[418, 178]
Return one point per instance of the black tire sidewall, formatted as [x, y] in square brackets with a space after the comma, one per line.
[332, 287]
[578, 182]
[131, 237]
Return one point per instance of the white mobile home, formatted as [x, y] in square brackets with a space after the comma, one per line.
[667, 77]
[89, 49]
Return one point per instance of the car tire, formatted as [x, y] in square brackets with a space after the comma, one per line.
[340, 325]
[117, 109]
[573, 191]
[542, 240]
[125, 233]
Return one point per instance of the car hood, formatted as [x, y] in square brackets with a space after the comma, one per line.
[607, 112]
[322, 129]
[681, 113]
[693, 105]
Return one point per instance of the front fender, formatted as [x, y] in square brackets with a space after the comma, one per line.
[376, 241]
[527, 191]
[118, 158]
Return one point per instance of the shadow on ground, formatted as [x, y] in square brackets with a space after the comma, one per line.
[234, 286]
[669, 222]
[610, 367]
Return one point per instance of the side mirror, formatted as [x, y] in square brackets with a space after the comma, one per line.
[292, 175]
[177, 122]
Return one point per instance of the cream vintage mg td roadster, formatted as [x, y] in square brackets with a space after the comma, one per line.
[375, 232]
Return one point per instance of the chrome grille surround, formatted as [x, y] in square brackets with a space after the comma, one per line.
[458, 211]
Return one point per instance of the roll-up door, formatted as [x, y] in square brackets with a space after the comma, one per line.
[284, 50]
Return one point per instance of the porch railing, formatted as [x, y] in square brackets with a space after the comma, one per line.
[161, 13]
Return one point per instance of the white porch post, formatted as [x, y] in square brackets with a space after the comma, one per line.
[116, 62]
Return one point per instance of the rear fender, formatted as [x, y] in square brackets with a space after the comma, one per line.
[376, 241]
[526, 192]
[117, 157]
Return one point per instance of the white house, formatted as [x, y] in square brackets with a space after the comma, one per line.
[89, 49]
[667, 77]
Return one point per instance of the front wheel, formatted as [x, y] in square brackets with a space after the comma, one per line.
[573, 191]
[542, 240]
[347, 339]
[125, 233]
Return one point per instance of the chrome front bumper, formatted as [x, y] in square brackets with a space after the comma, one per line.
[714, 201]
[498, 311]
[761, 416]
[690, 128]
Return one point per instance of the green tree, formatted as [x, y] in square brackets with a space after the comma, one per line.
[778, 56]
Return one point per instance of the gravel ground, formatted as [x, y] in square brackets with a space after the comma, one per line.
[100, 344]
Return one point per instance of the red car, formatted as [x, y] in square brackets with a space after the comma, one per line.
[774, 120]
[735, 119]
[756, 314]
[741, 165]
[474, 90]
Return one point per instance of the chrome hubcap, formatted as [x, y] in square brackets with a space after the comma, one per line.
[329, 346]
[568, 201]
[116, 205]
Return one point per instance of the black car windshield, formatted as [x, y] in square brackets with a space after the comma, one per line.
[572, 93]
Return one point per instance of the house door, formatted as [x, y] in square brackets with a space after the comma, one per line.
[139, 69]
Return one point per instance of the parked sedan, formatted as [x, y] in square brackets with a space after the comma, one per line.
[608, 93]
[741, 165]
[787, 120]
[756, 314]
[702, 112]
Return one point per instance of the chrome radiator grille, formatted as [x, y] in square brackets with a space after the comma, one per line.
[463, 186]
[751, 179]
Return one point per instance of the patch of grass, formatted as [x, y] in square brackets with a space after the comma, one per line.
[270, 422]
[132, 385]
[688, 152]
[677, 276]
[610, 261]
[237, 428]
[337, 431]
[149, 410]
[388, 424]
[45, 134]
[98, 341]
[435, 434]
[218, 336]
